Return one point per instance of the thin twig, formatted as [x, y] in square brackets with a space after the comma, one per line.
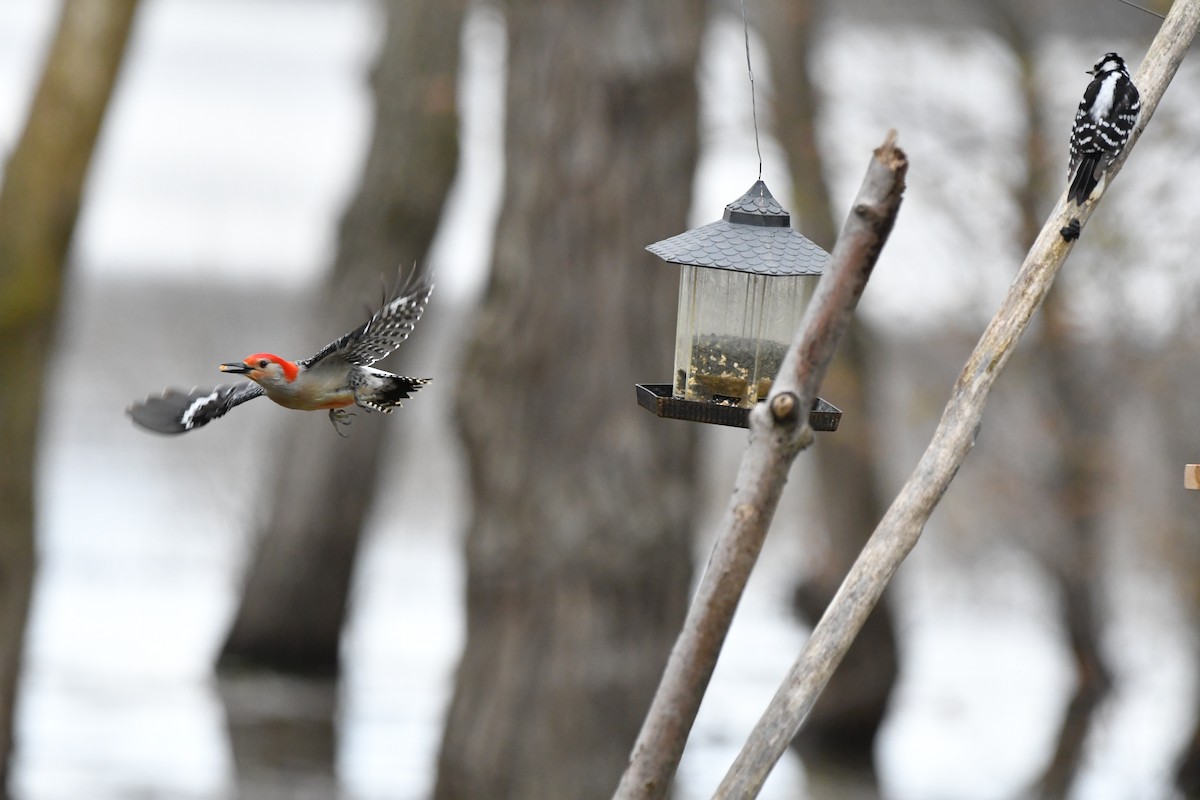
[778, 432]
[1143, 8]
[903, 523]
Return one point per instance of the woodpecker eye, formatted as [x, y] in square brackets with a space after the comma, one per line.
[262, 363]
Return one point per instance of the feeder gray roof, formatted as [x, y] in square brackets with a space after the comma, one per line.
[755, 236]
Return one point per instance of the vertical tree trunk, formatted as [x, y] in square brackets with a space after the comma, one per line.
[846, 718]
[1168, 382]
[1075, 407]
[294, 605]
[39, 203]
[578, 547]
[1187, 769]
[1078, 409]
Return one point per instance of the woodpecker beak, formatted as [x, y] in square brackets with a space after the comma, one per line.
[236, 368]
[1089, 72]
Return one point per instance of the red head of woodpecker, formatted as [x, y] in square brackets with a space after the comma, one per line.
[339, 375]
[277, 376]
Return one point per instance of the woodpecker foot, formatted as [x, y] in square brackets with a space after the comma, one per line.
[339, 417]
[1071, 232]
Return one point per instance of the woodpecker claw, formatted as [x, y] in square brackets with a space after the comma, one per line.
[339, 417]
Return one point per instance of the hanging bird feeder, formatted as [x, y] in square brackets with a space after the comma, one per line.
[743, 285]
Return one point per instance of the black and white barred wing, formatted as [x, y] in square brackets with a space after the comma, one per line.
[176, 411]
[1106, 138]
[1126, 108]
[1083, 131]
[383, 332]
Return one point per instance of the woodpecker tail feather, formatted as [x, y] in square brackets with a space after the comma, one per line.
[1085, 180]
[384, 391]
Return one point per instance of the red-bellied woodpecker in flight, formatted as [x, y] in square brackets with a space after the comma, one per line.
[339, 375]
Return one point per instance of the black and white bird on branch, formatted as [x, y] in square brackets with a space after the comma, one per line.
[1103, 123]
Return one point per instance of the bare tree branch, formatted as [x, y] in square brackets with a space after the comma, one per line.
[901, 527]
[778, 432]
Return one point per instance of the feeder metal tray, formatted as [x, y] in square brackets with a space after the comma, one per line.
[658, 398]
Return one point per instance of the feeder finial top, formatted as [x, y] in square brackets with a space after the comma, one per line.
[758, 207]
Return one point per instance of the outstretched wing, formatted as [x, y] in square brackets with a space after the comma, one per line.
[179, 412]
[384, 331]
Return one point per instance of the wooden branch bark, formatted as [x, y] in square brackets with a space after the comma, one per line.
[901, 527]
[778, 432]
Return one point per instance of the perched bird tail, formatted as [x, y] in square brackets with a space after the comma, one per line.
[1085, 180]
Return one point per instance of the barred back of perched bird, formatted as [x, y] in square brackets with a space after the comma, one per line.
[1103, 123]
[337, 376]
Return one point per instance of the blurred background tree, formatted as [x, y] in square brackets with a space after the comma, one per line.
[578, 547]
[39, 204]
[842, 727]
[1075, 412]
[293, 607]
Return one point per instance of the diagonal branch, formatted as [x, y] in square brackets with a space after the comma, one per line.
[901, 527]
[778, 432]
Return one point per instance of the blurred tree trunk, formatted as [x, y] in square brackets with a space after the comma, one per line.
[1076, 407]
[296, 592]
[1168, 382]
[1187, 766]
[845, 720]
[39, 203]
[283, 735]
[578, 547]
